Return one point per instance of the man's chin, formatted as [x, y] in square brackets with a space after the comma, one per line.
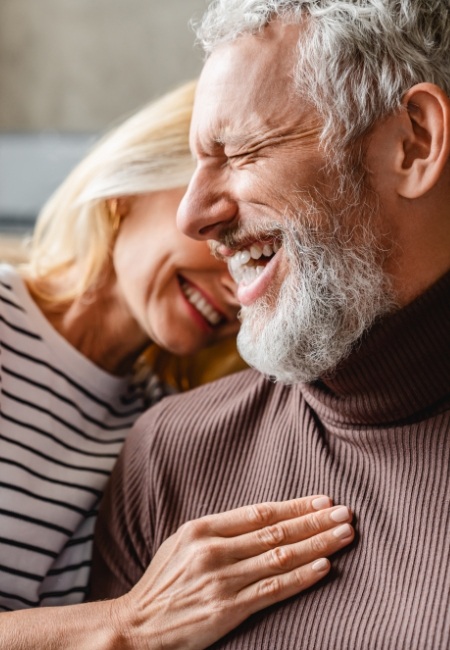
[296, 351]
[285, 367]
[272, 361]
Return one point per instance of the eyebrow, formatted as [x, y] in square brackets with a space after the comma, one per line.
[239, 141]
[254, 141]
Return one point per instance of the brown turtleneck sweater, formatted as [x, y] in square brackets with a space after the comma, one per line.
[375, 436]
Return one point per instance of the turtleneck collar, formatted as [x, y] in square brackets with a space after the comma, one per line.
[399, 372]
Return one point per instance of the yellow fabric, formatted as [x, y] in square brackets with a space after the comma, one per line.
[183, 373]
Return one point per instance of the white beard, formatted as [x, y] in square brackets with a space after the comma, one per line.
[334, 291]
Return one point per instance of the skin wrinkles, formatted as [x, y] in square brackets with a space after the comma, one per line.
[236, 145]
[289, 190]
[282, 128]
[269, 77]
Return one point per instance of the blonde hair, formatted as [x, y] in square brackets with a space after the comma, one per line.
[74, 231]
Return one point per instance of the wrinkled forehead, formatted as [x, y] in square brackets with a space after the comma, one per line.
[250, 79]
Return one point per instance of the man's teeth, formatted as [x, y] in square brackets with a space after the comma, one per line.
[242, 264]
[201, 304]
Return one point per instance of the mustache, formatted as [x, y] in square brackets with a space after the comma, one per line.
[238, 237]
[314, 220]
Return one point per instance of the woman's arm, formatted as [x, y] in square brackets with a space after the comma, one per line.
[71, 627]
[205, 580]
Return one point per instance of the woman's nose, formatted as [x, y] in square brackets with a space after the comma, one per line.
[206, 209]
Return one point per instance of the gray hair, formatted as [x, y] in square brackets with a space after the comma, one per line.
[356, 58]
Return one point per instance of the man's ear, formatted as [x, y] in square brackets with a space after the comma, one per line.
[426, 139]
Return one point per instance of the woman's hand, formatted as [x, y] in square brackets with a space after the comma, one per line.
[216, 571]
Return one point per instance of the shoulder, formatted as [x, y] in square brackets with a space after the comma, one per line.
[183, 452]
[204, 416]
[10, 282]
[14, 306]
[7, 273]
[15, 301]
[190, 451]
[206, 403]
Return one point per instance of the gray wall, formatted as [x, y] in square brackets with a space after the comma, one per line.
[68, 70]
[76, 65]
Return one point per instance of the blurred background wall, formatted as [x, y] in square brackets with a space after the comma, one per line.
[69, 69]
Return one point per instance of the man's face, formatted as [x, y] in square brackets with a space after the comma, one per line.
[298, 237]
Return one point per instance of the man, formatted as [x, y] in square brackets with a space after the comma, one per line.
[321, 131]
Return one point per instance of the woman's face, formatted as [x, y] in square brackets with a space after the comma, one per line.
[175, 292]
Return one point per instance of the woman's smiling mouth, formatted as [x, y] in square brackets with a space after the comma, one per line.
[198, 300]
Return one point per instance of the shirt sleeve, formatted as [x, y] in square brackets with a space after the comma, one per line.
[123, 535]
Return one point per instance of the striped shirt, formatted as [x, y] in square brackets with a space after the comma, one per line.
[62, 424]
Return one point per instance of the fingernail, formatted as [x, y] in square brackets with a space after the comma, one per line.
[340, 514]
[320, 565]
[341, 532]
[320, 503]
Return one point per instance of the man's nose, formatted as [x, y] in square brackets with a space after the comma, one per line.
[206, 209]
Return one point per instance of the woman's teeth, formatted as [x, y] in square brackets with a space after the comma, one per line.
[243, 265]
[201, 304]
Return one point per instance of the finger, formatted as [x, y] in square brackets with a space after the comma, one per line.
[274, 589]
[285, 559]
[287, 532]
[253, 517]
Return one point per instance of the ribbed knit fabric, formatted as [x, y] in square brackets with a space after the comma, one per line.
[375, 436]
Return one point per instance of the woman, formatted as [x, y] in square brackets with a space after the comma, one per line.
[109, 273]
